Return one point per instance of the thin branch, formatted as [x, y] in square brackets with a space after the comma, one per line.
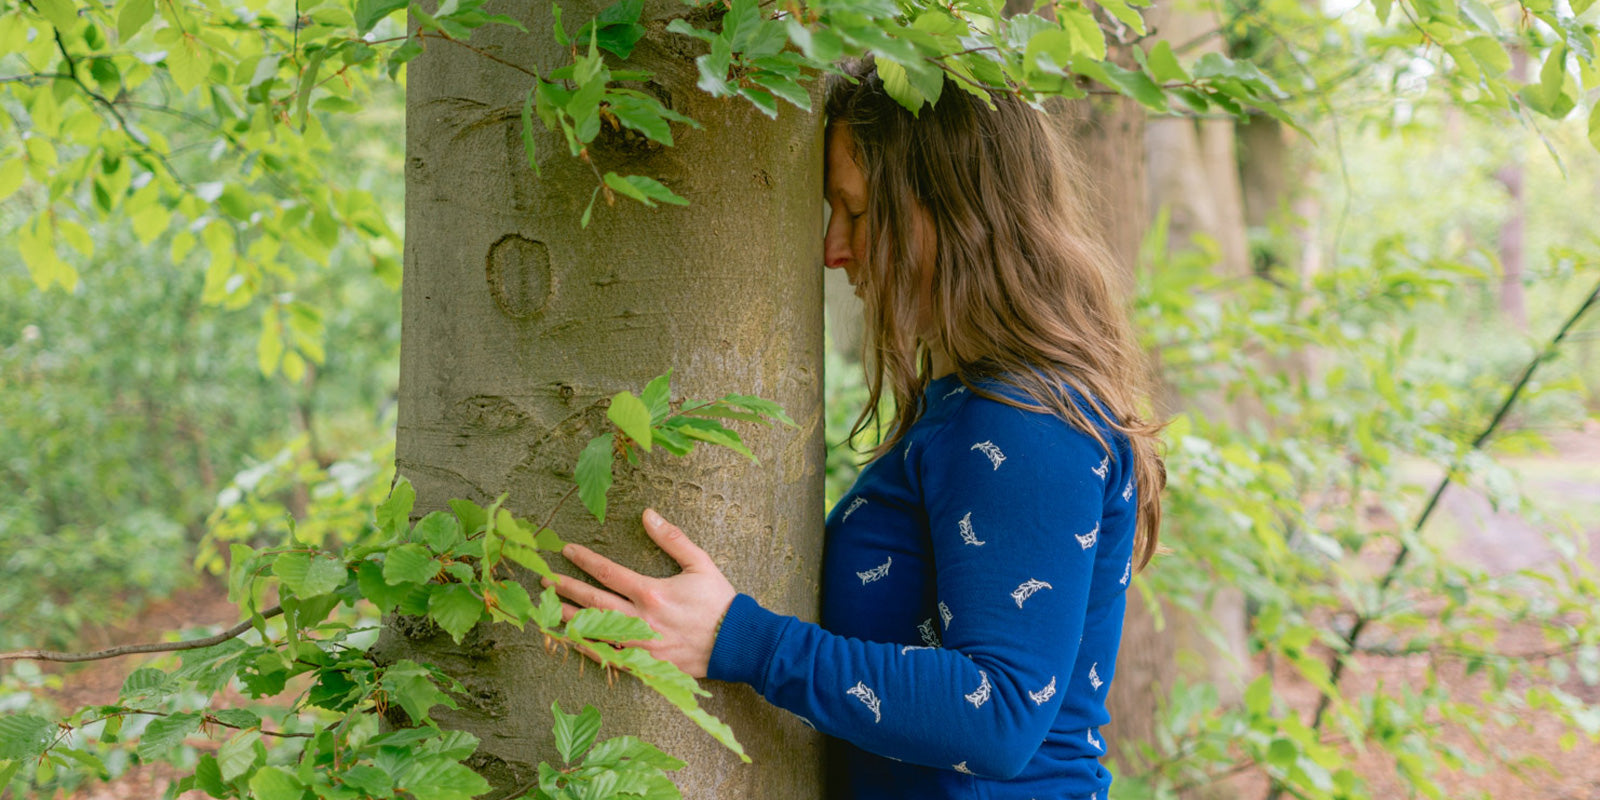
[130, 649]
[480, 51]
[552, 515]
[111, 108]
[33, 76]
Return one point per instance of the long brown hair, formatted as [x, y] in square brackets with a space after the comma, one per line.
[1022, 287]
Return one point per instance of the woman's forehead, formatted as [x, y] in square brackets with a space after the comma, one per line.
[842, 175]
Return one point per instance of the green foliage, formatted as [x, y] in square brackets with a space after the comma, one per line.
[449, 568]
[622, 766]
[652, 419]
[1353, 399]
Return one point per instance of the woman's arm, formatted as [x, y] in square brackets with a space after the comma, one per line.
[1014, 502]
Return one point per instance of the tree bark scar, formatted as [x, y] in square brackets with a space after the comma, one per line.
[488, 414]
[518, 272]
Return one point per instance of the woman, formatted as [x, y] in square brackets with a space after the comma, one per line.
[975, 575]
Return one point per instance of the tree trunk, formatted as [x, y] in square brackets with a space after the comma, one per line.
[1191, 169]
[517, 325]
[1513, 304]
[1109, 135]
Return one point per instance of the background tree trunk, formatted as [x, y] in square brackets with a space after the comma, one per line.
[1513, 302]
[1191, 167]
[516, 324]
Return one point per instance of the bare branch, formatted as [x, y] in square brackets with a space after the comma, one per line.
[130, 649]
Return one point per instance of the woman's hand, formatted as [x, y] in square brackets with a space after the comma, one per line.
[684, 609]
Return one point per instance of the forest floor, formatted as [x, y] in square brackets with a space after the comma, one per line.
[1565, 481]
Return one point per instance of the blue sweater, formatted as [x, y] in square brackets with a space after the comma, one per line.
[973, 591]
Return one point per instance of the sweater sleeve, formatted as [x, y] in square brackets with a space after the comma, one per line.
[1014, 502]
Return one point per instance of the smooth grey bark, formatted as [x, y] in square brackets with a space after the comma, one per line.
[517, 325]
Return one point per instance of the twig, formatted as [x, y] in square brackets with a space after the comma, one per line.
[130, 649]
[32, 76]
[480, 51]
[111, 108]
[551, 517]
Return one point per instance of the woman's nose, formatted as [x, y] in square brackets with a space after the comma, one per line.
[835, 250]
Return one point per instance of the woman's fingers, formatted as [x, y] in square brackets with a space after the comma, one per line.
[586, 596]
[673, 542]
[612, 575]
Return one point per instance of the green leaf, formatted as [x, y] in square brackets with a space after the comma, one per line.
[593, 475]
[548, 614]
[455, 607]
[556, 29]
[1489, 54]
[631, 414]
[309, 576]
[1128, 16]
[439, 530]
[529, 146]
[511, 602]
[473, 516]
[783, 87]
[12, 172]
[308, 82]
[238, 755]
[63, 14]
[619, 39]
[1137, 85]
[645, 190]
[410, 563]
[146, 682]
[275, 783]
[23, 737]
[1594, 127]
[394, 514]
[677, 688]
[762, 100]
[442, 779]
[1164, 65]
[208, 776]
[371, 781]
[410, 686]
[370, 12]
[1216, 65]
[712, 432]
[641, 115]
[583, 222]
[657, 397]
[760, 405]
[1085, 30]
[574, 733]
[370, 581]
[608, 626]
[1552, 76]
[618, 748]
[132, 15]
[898, 84]
[164, 733]
[1258, 697]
